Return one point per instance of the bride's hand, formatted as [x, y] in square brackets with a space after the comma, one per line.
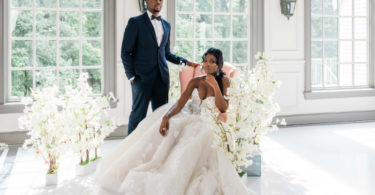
[223, 117]
[212, 81]
[164, 127]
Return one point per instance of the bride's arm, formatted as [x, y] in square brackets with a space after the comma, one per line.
[220, 102]
[176, 108]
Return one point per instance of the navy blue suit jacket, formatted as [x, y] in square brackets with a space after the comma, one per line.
[140, 53]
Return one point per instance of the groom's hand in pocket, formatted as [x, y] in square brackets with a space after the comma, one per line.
[164, 127]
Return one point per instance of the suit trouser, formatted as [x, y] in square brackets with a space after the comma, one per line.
[142, 94]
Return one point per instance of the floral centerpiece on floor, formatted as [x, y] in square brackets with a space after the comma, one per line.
[78, 120]
[250, 114]
[46, 126]
[88, 118]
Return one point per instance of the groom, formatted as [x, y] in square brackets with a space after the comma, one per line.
[145, 49]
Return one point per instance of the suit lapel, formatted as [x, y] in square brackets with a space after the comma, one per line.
[149, 25]
[166, 31]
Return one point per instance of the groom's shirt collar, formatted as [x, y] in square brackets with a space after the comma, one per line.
[150, 14]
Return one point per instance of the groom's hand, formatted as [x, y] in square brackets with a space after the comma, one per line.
[192, 64]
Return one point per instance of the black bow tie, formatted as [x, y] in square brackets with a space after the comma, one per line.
[155, 17]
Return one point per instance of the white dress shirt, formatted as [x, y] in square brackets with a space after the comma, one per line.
[158, 27]
[159, 31]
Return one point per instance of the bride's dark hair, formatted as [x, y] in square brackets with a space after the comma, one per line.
[219, 62]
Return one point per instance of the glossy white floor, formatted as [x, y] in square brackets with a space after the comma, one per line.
[326, 159]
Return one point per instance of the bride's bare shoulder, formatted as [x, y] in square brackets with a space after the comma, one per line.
[197, 79]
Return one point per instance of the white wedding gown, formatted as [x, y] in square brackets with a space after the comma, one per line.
[182, 163]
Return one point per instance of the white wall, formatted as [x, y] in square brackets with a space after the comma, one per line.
[284, 41]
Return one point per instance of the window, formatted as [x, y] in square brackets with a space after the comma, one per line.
[224, 24]
[339, 44]
[51, 41]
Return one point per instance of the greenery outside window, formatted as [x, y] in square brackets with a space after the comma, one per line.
[51, 42]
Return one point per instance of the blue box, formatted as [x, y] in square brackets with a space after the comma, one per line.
[254, 170]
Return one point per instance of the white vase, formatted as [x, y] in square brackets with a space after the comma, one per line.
[51, 179]
[244, 178]
[82, 170]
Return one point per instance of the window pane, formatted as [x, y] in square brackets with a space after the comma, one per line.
[346, 51]
[21, 23]
[346, 28]
[22, 82]
[330, 51]
[224, 46]
[46, 3]
[360, 7]
[316, 7]
[201, 48]
[69, 53]
[203, 26]
[91, 4]
[346, 75]
[22, 53]
[330, 7]
[185, 48]
[185, 5]
[94, 80]
[45, 78]
[46, 53]
[346, 7]
[239, 26]
[317, 50]
[46, 23]
[91, 53]
[330, 28]
[330, 76]
[222, 5]
[360, 28]
[21, 3]
[67, 77]
[222, 22]
[316, 28]
[69, 3]
[360, 74]
[185, 26]
[240, 52]
[69, 24]
[360, 51]
[239, 6]
[317, 75]
[203, 5]
[92, 24]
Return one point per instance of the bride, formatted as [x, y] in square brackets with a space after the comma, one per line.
[170, 151]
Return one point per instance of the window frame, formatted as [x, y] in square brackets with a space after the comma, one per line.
[340, 92]
[255, 28]
[109, 56]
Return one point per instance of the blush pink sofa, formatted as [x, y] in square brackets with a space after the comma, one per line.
[189, 73]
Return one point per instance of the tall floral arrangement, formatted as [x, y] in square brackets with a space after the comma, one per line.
[174, 84]
[78, 120]
[88, 118]
[46, 125]
[250, 115]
